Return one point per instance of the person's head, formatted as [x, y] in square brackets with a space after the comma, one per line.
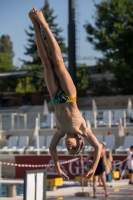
[131, 148]
[74, 143]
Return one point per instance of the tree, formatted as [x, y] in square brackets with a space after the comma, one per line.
[31, 49]
[6, 53]
[82, 77]
[112, 35]
[6, 45]
[7, 84]
[5, 62]
[24, 85]
[102, 88]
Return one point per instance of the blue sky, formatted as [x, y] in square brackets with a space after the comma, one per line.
[14, 20]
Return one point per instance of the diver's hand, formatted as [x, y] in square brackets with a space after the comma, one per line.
[88, 175]
[63, 175]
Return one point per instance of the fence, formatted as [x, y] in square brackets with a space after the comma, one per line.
[107, 118]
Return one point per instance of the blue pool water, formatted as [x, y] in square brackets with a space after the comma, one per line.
[4, 190]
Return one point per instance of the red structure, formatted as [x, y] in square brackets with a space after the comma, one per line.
[71, 168]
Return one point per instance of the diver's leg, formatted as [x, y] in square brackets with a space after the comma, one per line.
[51, 78]
[65, 79]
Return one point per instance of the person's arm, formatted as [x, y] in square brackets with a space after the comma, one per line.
[87, 134]
[54, 142]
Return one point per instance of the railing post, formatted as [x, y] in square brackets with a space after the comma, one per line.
[18, 120]
[25, 121]
[95, 123]
[52, 121]
[37, 136]
[12, 121]
[109, 118]
[38, 120]
[124, 119]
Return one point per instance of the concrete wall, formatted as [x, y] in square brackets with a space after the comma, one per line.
[108, 102]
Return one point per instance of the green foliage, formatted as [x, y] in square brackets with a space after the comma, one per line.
[31, 49]
[103, 88]
[38, 78]
[6, 62]
[82, 76]
[112, 35]
[6, 56]
[6, 53]
[8, 84]
[6, 45]
[24, 85]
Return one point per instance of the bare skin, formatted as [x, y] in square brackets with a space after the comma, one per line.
[68, 118]
[101, 176]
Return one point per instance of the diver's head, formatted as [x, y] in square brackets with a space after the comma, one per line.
[73, 143]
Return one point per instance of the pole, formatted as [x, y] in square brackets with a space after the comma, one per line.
[95, 123]
[12, 121]
[37, 136]
[71, 41]
[81, 167]
[38, 120]
[124, 113]
[109, 119]
[52, 121]
[25, 121]
[18, 120]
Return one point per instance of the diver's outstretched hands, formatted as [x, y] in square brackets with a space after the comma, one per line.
[63, 175]
[88, 175]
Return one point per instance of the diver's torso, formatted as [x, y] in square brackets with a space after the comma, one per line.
[68, 118]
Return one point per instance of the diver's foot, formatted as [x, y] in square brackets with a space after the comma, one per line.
[33, 19]
[39, 16]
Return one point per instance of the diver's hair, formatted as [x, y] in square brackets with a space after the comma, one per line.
[80, 147]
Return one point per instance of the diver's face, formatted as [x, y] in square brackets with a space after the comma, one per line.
[71, 142]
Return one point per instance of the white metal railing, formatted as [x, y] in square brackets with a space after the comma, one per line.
[107, 118]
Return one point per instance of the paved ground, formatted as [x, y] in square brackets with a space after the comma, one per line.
[119, 190]
[122, 194]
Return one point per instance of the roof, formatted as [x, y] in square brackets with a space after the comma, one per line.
[21, 73]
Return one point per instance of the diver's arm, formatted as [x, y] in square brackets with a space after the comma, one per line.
[87, 134]
[54, 142]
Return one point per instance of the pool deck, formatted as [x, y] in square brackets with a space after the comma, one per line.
[119, 189]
